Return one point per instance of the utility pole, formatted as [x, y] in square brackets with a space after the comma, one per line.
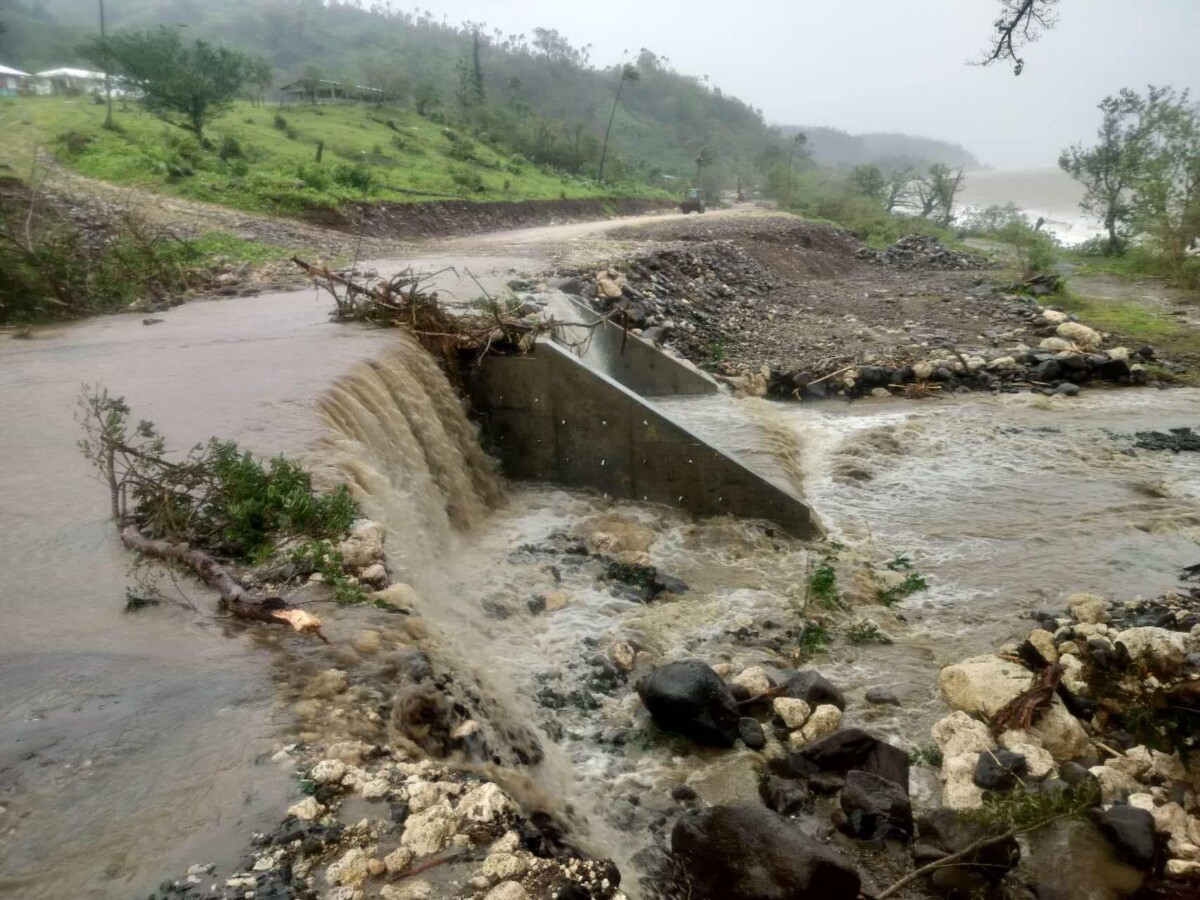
[108, 119]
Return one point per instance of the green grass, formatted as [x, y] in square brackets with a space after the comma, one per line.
[1129, 318]
[220, 246]
[256, 163]
[1136, 264]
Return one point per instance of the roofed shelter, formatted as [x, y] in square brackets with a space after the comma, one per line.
[67, 82]
[11, 81]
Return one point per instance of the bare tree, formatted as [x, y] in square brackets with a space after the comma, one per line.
[936, 192]
[1021, 22]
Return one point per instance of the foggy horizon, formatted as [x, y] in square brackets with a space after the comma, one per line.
[872, 66]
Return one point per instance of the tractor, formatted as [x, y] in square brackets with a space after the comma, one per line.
[693, 202]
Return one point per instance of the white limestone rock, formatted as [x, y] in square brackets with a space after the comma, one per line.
[959, 733]
[792, 712]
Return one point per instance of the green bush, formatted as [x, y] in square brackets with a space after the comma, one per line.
[356, 178]
[1036, 251]
[230, 148]
[314, 177]
[467, 179]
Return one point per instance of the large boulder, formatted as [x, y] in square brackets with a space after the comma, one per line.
[751, 853]
[814, 689]
[982, 684]
[959, 733]
[849, 749]
[946, 832]
[876, 808]
[1157, 649]
[1078, 334]
[986, 684]
[1131, 832]
[689, 698]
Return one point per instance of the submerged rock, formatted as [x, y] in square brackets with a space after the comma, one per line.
[751, 853]
[688, 697]
[814, 689]
[849, 749]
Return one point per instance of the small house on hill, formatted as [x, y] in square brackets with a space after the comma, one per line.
[68, 82]
[323, 91]
[11, 81]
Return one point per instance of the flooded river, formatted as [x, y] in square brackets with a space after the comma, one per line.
[132, 746]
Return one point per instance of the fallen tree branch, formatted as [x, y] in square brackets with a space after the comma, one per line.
[970, 849]
[235, 598]
[1019, 713]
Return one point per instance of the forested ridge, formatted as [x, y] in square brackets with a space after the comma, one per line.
[539, 95]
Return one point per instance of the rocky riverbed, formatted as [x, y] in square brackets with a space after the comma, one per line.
[408, 790]
[796, 310]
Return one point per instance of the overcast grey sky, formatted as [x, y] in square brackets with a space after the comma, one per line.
[889, 65]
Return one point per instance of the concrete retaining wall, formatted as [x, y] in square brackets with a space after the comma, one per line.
[634, 362]
[550, 417]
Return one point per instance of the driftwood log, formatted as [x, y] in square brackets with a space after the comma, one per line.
[234, 598]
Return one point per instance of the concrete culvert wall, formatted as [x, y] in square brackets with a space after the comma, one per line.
[550, 417]
[628, 359]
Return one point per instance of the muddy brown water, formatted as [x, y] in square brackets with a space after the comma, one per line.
[132, 746]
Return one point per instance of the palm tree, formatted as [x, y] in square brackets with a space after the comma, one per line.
[628, 73]
[799, 142]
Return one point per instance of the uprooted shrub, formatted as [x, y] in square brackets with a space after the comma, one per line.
[53, 267]
[217, 499]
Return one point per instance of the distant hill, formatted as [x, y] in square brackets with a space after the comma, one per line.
[834, 147]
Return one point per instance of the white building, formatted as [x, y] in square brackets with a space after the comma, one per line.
[67, 81]
[10, 81]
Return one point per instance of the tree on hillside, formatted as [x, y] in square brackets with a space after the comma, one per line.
[936, 193]
[1021, 22]
[1166, 200]
[1109, 170]
[629, 74]
[261, 75]
[799, 145]
[427, 97]
[899, 188]
[868, 179]
[186, 85]
[470, 92]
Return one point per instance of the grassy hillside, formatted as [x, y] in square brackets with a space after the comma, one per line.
[542, 96]
[263, 158]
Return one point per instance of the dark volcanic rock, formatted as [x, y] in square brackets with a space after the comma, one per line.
[688, 697]
[882, 696]
[876, 808]
[951, 832]
[784, 795]
[852, 748]
[751, 853]
[751, 733]
[814, 689]
[1177, 439]
[998, 770]
[1131, 832]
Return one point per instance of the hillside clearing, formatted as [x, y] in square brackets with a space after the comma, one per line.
[264, 158]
